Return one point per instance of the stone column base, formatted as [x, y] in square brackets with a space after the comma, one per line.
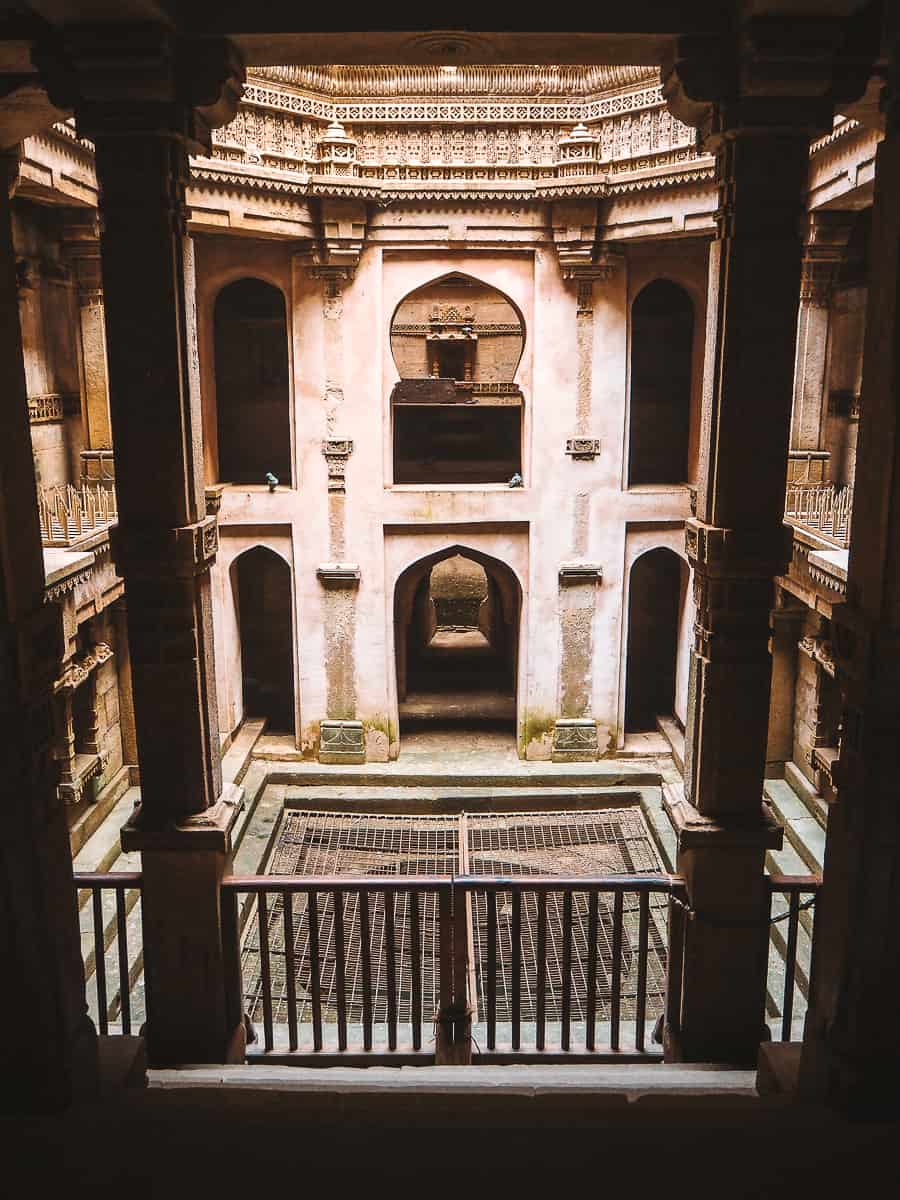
[341, 742]
[191, 1002]
[575, 740]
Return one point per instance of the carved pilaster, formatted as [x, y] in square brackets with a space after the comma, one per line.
[756, 97]
[337, 451]
[147, 99]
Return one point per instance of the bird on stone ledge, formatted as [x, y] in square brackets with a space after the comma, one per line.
[272, 481]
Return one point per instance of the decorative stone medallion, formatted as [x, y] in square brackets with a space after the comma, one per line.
[575, 740]
[341, 742]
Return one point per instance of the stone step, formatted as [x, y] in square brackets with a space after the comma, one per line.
[104, 847]
[236, 759]
[664, 837]
[619, 1084]
[805, 791]
[450, 799]
[804, 832]
[674, 735]
[602, 774]
[93, 815]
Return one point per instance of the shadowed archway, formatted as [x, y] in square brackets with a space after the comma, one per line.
[456, 633]
[252, 382]
[662, 335]
[261, 580]
[656, 596]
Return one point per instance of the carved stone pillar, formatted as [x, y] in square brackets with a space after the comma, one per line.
[82, 241]
[851, 1054]
[40, 944]
[757, 100]
[147, 99]
[826, 238]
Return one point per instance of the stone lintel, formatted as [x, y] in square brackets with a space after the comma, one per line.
[580, 572]
[694, 831]
[209, 830]
[341, 741]
[575, 740]
[338, 575]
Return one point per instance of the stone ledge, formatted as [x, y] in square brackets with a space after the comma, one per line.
[210, 830]
[580, 572]
[696, 831]
[338, 575]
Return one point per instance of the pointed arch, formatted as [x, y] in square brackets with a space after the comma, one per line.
[485, 655]
[262, 587]
[657, 593]
[457, 342]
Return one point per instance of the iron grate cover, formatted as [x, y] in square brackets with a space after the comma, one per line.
[593, 842]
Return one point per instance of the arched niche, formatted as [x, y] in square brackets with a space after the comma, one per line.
[261, 580]
[456, 635]
[662, 335]
[457, 410]
[252, 382]
[657, 594]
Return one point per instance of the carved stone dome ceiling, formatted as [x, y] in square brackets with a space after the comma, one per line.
[402, 82]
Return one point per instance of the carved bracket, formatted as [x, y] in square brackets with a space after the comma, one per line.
[338, 575]
[183, 552]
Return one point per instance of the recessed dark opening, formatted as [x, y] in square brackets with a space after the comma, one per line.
[451, 360]
[252, 383]
[265, 616]
[662, 334]
[457, 444]
[654, 599]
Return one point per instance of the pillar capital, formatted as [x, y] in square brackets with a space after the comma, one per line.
[125, 80]
[335, 254]
[774, 74]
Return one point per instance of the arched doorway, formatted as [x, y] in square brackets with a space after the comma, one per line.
[456, 631]
[656, 597]
[262, 588]
[457, 410]
[662, 335]
[252, 383]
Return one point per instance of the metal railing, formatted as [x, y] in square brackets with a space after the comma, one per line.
[514, 969]
[110, 958]
[792, 898]
[822, 509]
[68, 513]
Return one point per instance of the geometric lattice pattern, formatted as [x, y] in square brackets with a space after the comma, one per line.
[568, 844]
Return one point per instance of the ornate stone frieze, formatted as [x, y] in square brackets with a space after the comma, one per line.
[820, 650]
[78, 669]
[45, 408]
[582, 449]
[508, 81]
[341, 742]
[575, 740]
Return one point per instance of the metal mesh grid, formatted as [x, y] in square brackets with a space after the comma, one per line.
[318, 844]
[604, 842]
[599, 842]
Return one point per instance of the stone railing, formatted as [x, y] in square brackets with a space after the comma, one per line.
[822, 509]
[68, 514]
